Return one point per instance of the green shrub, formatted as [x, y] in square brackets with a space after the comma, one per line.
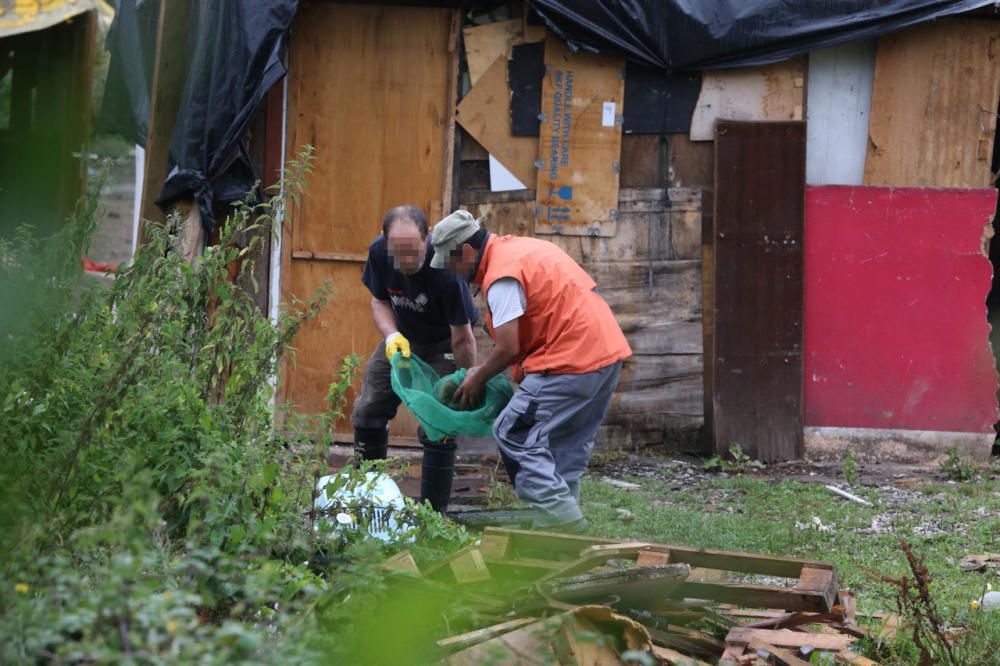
[152, 511]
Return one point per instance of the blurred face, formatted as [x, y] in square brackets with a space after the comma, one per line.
[407, 247]
[462, 261]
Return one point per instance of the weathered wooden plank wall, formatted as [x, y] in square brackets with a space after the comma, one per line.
[934, 105]
[650, 274]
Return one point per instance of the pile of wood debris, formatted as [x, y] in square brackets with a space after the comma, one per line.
[551, 598]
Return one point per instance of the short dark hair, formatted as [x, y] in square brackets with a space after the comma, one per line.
[405, 212]
[476, 240]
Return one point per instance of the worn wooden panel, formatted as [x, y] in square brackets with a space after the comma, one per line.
[656, 300]
[579, 142]
[372, 95]
[485, 114]
[643, 160]
[896, 335]
[369, 89]
[839, 103]
[516, 218]
[773, 92]
[485, 43]
[934, 105]
[759, 202]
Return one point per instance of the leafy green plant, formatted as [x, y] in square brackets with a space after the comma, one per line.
[956, 466]
[849, 467]
[152, 511]
[499, 494]
[737, 463]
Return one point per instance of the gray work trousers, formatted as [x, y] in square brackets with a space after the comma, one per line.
[377, 403]
[546, 434]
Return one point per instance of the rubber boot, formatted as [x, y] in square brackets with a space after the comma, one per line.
[371, 443]
[437, 471]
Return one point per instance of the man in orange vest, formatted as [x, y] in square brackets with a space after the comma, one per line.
[566, 349]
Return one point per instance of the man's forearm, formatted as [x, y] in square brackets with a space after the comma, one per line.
[463, 346]
[498, 361]
[385, 319]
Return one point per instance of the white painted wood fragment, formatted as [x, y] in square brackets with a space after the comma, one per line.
[623, 485]
[838, 107]
[846, 495]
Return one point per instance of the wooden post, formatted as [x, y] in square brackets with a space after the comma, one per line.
[169, 73]
[447, 197]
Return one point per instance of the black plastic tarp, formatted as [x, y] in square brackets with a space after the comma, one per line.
[705, 34]
[236, 53]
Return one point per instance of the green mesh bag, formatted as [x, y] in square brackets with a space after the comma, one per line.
[428, 396]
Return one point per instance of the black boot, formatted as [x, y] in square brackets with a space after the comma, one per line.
[437, 471]
[371, 443]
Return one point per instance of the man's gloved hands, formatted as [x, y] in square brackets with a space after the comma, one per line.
[396, 343]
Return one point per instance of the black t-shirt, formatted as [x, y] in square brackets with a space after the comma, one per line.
[426, 303]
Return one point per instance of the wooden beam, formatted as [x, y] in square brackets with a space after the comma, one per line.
[169, 74]
[448, 192]
[789, 639]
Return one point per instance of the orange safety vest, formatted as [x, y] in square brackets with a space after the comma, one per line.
[567, 327]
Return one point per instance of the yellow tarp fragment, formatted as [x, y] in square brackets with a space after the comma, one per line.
[18, 16]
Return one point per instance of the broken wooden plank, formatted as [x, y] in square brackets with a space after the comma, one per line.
[821, 581]
[690, 641]
[579, 142]
[628, 588]
[402, 562]
[529, 541]
[772, 92]
[468, 639]
[782, 656]
[485, 114]
[675, 658]
[934, 105]
[853, 659]
[789, 639]
[762, 596]
[597, 555]
[469, 567]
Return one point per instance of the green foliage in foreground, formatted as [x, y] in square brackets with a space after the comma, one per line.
[151, 510]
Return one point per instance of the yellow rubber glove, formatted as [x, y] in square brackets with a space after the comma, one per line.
[396, 343]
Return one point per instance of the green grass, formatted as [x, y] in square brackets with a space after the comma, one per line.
[759, 514]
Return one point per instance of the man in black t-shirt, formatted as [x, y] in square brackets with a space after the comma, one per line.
[414, 307]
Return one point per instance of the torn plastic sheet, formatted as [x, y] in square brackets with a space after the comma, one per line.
[700, 34]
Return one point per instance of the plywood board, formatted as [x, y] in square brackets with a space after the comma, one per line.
[368, 87]
[896, 335]
[485, 114]
[934, 105]
[485, 43]
[773, 92]
[579, 142]
[839, 104]
[757, 365]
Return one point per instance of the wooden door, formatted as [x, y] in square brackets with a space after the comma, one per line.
[368, 88]
[758, 261]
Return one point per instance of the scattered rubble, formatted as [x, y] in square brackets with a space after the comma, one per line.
[554, 598]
